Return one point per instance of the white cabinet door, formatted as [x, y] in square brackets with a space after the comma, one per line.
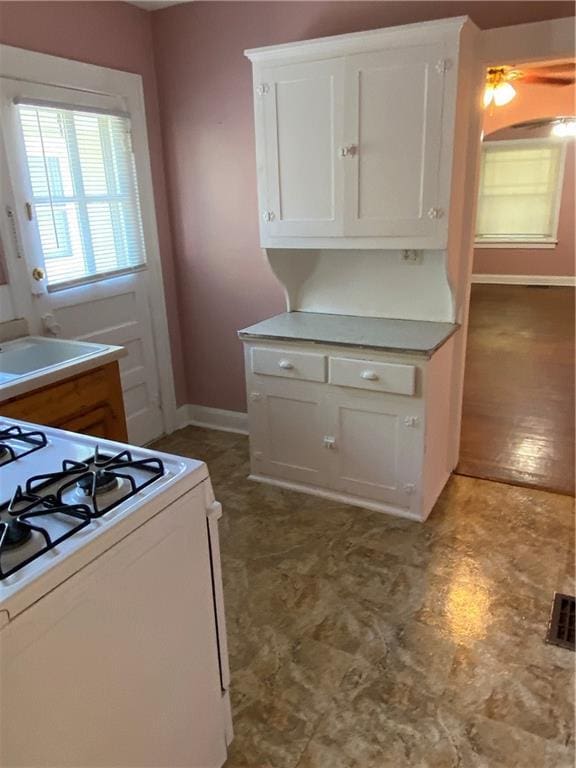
[394, 102]
[287, 429]
[301, 113]
[377, 451]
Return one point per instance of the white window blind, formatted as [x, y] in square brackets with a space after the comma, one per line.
[84, 192]
[519, 191]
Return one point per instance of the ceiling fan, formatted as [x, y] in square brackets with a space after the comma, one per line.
[499, 89]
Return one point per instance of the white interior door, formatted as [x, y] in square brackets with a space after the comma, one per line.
[302, 111]
[394, 124]
[105, 308]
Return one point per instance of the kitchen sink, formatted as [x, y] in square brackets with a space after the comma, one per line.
[32, 355]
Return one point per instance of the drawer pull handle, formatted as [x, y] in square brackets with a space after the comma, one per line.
[286, 365]
[369, 376]
[329, 442]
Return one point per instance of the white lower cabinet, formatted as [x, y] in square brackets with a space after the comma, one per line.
[344, 430]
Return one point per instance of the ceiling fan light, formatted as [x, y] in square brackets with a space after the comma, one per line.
[488, 95]
[565, 128]
[503, 94]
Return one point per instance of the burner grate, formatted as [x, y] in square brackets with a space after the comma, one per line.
[16, 442]
[561, 628]
[34, 509]
[53, 506]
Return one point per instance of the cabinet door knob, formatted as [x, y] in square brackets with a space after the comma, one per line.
[369, 375]
[286, 365]
[329, 442]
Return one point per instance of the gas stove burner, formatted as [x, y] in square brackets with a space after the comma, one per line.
[16, 534]
[98, 482]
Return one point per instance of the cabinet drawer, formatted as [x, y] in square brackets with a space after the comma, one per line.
[290, 365]
[366, 374]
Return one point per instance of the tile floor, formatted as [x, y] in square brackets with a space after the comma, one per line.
[359, 640]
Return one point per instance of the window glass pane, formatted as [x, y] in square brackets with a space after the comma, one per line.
[519, 191]
[84, 189]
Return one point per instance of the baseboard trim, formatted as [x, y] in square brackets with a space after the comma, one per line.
[341, 498]
[566, 280]
[212, 418]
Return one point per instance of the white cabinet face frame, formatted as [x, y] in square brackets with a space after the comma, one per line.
[394, 104]
[301, 108]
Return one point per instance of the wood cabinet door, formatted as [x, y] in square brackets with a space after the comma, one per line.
[394, 112]
[378, 445]
[287, 429]
[301, 113]
[99, 422]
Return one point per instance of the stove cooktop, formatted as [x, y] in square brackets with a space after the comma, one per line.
[58, 486]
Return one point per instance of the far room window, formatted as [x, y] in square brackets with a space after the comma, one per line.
[84, 191]
[520, 192]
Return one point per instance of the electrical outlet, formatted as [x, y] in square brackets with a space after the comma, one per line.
[412, 257]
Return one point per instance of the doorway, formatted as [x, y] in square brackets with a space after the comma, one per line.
[80, 231]
[518, 405]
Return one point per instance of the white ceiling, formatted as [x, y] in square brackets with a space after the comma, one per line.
[154, 5]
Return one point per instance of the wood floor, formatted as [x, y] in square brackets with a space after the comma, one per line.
[518, 415]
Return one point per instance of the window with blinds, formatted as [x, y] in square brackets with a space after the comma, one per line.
[84, 192]
[519, 193]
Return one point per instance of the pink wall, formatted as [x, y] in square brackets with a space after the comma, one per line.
[216, 278]
[531, 102]
[116, 35]
[206, 106]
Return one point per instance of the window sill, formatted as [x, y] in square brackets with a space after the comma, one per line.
[527, 246]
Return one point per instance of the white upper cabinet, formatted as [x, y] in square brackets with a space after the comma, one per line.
[302, 116]
[394, 124]
[354, 138]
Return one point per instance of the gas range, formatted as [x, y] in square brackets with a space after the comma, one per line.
[59, 491]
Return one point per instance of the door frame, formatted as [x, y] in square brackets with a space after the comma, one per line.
[534, 41]
[21, 64]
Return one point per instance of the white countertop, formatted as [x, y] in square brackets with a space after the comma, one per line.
[86, 356]
[413, 336]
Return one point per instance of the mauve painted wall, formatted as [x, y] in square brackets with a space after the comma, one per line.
[205, 96]
[117, 35]
[531, 102]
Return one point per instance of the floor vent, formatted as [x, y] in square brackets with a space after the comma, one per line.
[562, 621]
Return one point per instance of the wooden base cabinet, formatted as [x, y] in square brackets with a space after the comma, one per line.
[373, 431]
[90, 403]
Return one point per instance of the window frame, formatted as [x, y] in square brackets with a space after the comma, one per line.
[527, 243]
[14, 91]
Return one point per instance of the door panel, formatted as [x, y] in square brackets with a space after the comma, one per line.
[287, 430]
[302, 108]
[378, 449]
[115, 311]
[394, 118]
